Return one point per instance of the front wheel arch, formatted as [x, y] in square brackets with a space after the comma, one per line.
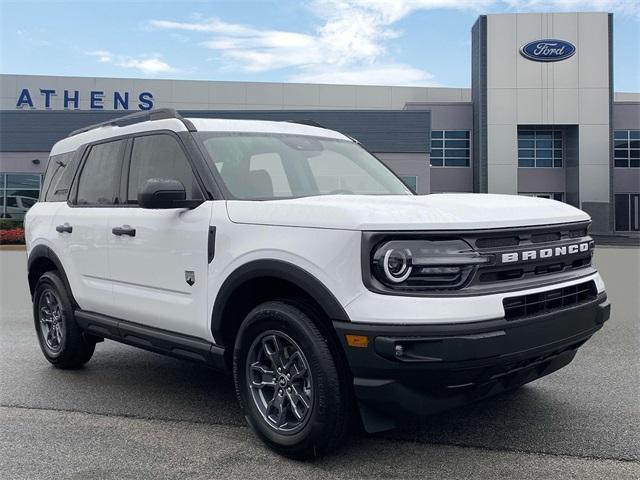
[266, 271]
[332, 412]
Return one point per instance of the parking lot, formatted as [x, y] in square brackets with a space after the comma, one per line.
[135, 414]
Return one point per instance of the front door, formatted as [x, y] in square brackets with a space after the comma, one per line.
[158, 258]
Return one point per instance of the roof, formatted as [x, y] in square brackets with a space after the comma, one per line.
[71, 143]
[380, 131]
[101, 132]
[262, 126]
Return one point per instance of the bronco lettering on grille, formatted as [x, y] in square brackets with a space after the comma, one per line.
[545, 252]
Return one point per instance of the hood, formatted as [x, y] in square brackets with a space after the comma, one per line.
[405, 212]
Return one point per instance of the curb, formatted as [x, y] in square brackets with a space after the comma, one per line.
[13, 248]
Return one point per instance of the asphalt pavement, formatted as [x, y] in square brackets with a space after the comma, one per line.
[135, 414]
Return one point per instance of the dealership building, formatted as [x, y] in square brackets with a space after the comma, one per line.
[541, 118]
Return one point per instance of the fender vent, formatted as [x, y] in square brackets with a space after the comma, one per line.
[545, 302]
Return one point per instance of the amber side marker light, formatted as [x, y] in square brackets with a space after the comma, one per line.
[357, 341]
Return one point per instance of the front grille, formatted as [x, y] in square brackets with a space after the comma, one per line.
[497, 242]
[545, 302]
[524, 237]
[494, 244]
[492, 274]
[546, 237]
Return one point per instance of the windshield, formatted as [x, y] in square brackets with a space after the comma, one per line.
[260, 166]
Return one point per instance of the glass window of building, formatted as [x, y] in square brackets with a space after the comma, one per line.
[541, 148]
[559, 196]
[18, 193]
[450, 148]
[626, 153]
[410, 181]
[627, 212]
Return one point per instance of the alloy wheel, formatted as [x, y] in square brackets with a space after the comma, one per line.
[51, 316]
[280, 381]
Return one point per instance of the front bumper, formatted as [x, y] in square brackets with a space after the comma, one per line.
[409, 370]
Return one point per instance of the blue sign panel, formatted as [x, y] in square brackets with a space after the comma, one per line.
[549, 50]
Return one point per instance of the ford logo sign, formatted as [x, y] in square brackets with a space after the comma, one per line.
[549, 50]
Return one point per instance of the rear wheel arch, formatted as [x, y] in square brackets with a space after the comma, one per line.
[263, 280]
[43, 259]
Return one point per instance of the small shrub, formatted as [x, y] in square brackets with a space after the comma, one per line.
[10, 224]
[14, 236]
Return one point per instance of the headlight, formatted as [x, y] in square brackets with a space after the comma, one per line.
[424, 264]
[397, 264]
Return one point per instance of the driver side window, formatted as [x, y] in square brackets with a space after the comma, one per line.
[159, 156]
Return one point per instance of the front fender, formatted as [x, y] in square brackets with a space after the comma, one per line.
[281, 270]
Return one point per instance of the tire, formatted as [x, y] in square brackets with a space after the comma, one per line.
[61, 340]
[317, 398]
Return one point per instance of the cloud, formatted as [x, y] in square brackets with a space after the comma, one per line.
[212, 26]
[102, 55]
[350, 42]
[347, 42]
[379, 74]
[149, 64]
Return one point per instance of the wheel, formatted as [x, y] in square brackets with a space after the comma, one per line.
[294, 393]
[61, 340]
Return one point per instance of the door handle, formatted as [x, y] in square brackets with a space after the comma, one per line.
[124, 230]
[64, 228]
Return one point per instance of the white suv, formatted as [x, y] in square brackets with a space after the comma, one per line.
[286, 254]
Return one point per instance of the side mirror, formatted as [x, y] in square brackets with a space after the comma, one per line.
[162, 193]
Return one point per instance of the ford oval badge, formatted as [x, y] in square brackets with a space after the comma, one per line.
[549, 50]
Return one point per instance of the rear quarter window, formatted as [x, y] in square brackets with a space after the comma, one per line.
[58, 177]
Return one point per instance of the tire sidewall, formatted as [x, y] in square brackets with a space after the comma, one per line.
[271, 317]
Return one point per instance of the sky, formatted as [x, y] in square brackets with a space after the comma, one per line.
[375, 42]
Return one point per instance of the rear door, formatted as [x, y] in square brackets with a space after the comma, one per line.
[81, 225]
[158, 258]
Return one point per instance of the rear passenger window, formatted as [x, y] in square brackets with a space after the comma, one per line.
[99, 180]
[159, 156]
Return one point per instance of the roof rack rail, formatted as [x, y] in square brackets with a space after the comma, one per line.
[311, 123]
[138, 117]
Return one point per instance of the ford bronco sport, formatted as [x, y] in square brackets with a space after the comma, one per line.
[287, 255]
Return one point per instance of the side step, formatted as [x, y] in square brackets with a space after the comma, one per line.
[153, 339]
